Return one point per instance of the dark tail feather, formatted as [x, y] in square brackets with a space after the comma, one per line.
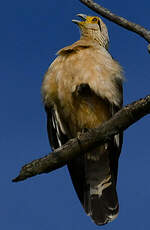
[94, 177]
[100, 196]
[102, 208]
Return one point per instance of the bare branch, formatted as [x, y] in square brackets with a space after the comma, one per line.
[118, 20]
[119, 122]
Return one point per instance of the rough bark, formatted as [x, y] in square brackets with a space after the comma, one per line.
[119, 122]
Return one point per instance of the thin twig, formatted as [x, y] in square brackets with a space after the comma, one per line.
[119, 122]
[118, 20]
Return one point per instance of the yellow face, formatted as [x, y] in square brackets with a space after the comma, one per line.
[91, 20]
[88, 20]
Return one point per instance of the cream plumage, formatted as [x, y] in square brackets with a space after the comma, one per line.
[81, 89]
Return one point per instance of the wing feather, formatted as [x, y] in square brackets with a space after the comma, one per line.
[56, 133]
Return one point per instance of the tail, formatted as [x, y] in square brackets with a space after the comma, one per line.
[100, 196]
[96, 184]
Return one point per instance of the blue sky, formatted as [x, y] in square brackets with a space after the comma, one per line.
[31, 33]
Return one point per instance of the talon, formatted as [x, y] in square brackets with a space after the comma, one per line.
[78, 135]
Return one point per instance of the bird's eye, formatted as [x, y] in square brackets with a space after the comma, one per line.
[94, 20]
[98, 22]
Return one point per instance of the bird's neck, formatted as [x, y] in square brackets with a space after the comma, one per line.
[93, 36]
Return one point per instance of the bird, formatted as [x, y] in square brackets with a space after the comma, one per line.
[81, 90]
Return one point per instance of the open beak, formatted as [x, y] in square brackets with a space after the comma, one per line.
[82, 16]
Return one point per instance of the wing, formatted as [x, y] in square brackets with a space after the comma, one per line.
[58, 137]
[56, 134]
[118, 139]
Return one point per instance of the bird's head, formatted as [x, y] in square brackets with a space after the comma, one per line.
[92, 27]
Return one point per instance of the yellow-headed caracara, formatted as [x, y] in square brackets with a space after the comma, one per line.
[81, 89]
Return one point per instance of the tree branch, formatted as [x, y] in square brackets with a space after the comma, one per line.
[119, 20]
[74, 147]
